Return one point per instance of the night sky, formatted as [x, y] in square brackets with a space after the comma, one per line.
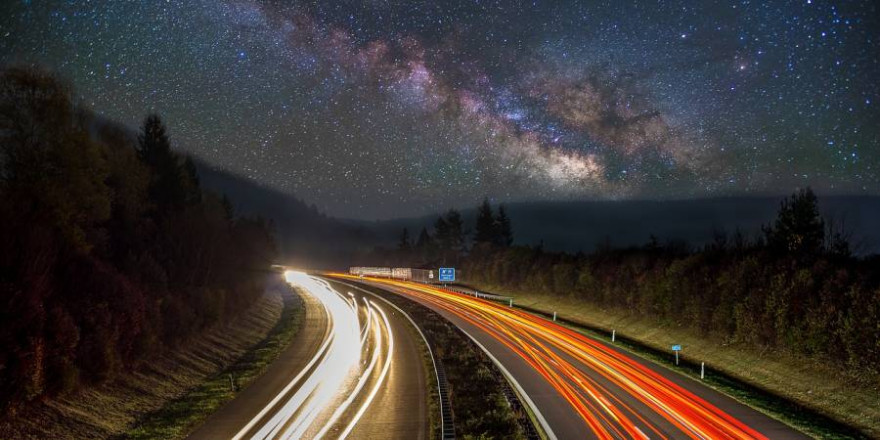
[378, 109]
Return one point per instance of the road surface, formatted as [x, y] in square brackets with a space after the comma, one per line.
[355, 372]
[583, 388]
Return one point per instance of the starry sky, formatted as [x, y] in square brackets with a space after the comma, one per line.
[378, 109]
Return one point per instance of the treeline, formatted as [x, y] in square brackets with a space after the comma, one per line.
[794, 288]
[449, 241]
[109, 250]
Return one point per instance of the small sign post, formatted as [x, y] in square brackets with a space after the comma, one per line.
[676, 348]
[446, 275]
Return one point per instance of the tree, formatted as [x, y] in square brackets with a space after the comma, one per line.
[49, 166]
[89, 284]
[424, 247]
[486, 231]
[169, 186]
[441, 232]
[798, 229]
[450, 235]
[457, 234]
[228, 207]
[837, 238]
[404, 244]
[153, 145]
[192, 188]
[505, 230]
[424, 239]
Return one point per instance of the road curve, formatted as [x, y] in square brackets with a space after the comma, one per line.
[584, 388]
[363, 377]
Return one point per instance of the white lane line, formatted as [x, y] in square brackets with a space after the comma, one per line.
[418, 329]
[364, 376]
[338, 356]
[541, 420]
[379, 383]
[290, 385]
[325, 382]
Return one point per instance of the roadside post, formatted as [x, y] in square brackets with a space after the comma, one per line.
[676, 348]
[554, 316]
[702, 370]
[511, 302]
[613, 334]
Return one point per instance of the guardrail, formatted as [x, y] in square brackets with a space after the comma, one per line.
[482, 295]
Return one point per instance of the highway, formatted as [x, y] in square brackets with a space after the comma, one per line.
[356, 373]
[583, 388]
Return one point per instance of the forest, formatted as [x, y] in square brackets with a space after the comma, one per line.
[110, 250]
[794, 287]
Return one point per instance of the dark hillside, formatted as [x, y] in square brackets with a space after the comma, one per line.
[110, 252]
[306, 237]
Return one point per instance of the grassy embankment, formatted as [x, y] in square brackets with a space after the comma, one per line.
[177, 418]
[757, 378]
[180, 375]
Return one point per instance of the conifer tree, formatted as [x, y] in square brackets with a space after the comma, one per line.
[486, 230]
[505, 230]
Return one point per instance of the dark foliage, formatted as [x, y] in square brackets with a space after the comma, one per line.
[448, 244]
[405, 244]
[794, 292]
[799, 229]
[486, 230]
[492, 230]
[505, 229]
[110, 251]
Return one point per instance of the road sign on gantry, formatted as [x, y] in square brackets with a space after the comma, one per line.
[447, 275]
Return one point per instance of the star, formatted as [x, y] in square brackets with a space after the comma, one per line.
[400, 110]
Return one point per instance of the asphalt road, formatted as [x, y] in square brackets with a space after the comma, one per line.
[355, 371]
[583, 388]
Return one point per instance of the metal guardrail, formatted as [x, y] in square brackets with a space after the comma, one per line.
[446, 419]
[481, 295]
[516, 405]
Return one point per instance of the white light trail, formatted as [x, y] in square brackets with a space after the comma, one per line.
[360, 413]
[335, 377]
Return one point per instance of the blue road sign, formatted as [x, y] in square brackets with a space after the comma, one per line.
[676, 347]
[447, 275]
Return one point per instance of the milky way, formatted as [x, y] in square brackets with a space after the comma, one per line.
[381, 109]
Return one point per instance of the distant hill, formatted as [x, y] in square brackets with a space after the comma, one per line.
[582, 226]
[306, 237]
[309, 238]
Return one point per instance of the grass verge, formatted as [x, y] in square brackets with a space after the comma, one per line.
[811, 397]
[179, 417]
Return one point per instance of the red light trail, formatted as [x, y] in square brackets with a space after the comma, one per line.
[561, 356]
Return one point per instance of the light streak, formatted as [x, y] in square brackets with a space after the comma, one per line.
[317, 398]
[564, 357]
[378, 384]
